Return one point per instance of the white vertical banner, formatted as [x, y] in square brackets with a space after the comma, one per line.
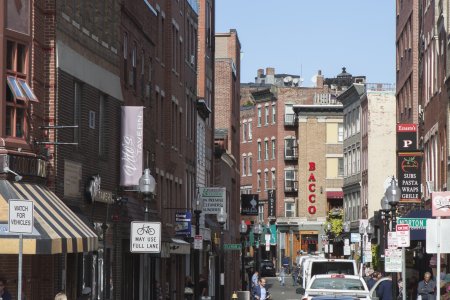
[132, 141]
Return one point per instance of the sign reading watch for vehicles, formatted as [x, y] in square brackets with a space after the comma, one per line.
[145, 237]
[20, 216]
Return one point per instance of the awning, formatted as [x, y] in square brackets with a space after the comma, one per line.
[57, 229]
[335, 195]
[178, 246]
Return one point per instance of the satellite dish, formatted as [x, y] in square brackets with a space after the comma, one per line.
[295, 81]
[287, 79]
[314, 79]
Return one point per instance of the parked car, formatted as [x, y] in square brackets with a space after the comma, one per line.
[267, 269]
[328, 266]
[335, 285]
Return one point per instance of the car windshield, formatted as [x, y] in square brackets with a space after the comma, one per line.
[325, 267]
[337, 284]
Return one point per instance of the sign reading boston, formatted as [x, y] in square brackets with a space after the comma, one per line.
[132, 145]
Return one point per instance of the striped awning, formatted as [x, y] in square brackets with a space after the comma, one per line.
[57, 229]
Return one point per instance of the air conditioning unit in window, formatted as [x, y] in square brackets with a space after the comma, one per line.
[192, 59]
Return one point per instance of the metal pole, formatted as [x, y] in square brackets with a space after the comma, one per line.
[146, 255]
[19, 280]
[438, 261]
[404, 273]
[394, 275]
[197, 257]
[361, 244]
[222, 266]
[242, 261]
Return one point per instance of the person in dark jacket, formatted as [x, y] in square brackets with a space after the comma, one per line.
[427, 287]
[384, 290]
[4, 294]
[372, 280]
[260, 292]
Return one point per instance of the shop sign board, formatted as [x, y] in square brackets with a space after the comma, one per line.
[145, 237]
[213, 199]
[249, 204]
[393, 260]
[409, 166]
[440, 204]
[183, 223]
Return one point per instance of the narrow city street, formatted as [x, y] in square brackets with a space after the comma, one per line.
[279, 292]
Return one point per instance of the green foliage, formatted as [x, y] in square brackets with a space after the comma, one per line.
[335, 218]
[376, 257]
[248, 103]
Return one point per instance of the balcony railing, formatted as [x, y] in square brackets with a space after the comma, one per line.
[289, 120]
[290, 186]
[290, 154]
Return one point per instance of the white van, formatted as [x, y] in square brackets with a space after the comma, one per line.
[328, 266]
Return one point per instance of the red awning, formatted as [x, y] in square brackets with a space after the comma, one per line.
[335, 195]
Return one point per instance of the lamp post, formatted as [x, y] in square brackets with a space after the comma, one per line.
[369, 231]
[257, 231]
[147, 185]
[197, 212]
[329, 239]
[362, 230]
[243, 231]
[346, 228]
[222, 219]
[392, 195]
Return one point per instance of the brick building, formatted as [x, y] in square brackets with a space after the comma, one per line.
[269, 149]
[226, 151]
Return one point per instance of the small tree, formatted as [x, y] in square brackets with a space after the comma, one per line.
[336, 219]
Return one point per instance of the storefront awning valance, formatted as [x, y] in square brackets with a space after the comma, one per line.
[57, 229]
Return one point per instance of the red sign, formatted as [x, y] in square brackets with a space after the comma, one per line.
[406, 127]
[312, 189]
[440, 204]
[402, 227]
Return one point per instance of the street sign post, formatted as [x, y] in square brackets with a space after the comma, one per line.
[232, 247]
[393, 260]
[145, 237]
[198, 242]
[392, 240]
[20, 220]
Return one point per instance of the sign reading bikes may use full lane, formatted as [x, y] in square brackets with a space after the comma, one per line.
[145, 237]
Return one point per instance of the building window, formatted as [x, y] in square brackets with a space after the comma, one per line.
[244, 131]
[258, 181]
[341, 166]
[259, 116]
[77, 111]
[274, 180]
[289, 208]
[290, 150]
[266, 180]
[244, 166]
[125, 56]
[249, 165]
[267, 115]
[261, 213]
[273, 149]
[249, 131]
[133, 65]
[259, 151]
[101, 126]
[274, 113]
[340, 132]
[142, 74]
[266, 150]
[290, 180]
[358, 160]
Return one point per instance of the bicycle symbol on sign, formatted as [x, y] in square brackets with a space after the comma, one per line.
[146, 230]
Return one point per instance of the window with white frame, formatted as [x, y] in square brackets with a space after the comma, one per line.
[266, 150]
[261, 213]
[358, 125]
[259, 150]
[244, 131]
[244, 165]
[249, 165]
[267, 115]
[340, 132]
[274, 179]
[266, 180]
[259, 116]
[358, 160]
[258, 181]
[340, 166]
[290, 180]
[290, 149]
[249, 131]
[289, 209]
[273, 149]
[274, 113]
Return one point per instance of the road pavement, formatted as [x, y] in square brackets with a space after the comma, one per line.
[279, 292]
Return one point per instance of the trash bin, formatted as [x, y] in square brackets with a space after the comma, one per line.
[243, 295]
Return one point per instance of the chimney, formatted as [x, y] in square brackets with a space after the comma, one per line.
[270, 71]
[259, 73]
[320, 79]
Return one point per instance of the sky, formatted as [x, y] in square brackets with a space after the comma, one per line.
[301, 37]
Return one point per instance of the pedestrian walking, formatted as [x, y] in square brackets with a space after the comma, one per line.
[255, 279]
[282, 275]
[295, 272]
[188, 288]
[203, 285]
[4, 294]
[260, 292]
[427, 287]
[384, 290]
[372, 280]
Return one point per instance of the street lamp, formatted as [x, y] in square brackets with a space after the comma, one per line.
[147, 185]
[346, 228]
[257, 230]
[392, 195]
[243, 231]
[329, 227]
[362, 230]
[222, 219]
[197, 213]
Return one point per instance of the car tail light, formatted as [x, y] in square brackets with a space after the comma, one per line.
[337, 276]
